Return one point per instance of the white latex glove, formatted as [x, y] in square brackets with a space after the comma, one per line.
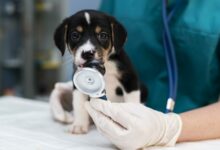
[132, 125]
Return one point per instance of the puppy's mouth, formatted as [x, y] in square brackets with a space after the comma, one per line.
[83, 57]
[95, 64]
[79, 65]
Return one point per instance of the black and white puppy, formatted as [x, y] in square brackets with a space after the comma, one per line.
[93, 35]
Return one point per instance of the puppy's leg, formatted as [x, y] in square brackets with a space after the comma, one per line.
[81, 117]
[58, 95]
[133, 96]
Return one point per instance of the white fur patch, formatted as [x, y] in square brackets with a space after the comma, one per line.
[87, 16]
[111, 82]
[87, 46]
[133, 96]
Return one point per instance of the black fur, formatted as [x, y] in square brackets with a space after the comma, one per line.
[119, 91]
[128, 78]
[59, 36]
[120, 33]
[144, 93]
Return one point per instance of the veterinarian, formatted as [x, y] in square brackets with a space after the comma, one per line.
[195, 30]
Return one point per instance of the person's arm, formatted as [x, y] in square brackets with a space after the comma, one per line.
[201, 124]
[124, 123]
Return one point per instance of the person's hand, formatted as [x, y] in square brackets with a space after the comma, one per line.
[132, 125]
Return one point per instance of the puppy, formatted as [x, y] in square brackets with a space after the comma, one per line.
[93, 35]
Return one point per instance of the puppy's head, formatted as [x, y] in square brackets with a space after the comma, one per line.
[90, 35]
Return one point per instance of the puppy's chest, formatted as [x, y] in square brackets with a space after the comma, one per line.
[112, 83]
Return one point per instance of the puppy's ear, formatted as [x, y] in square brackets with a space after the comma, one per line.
[119, 34]
[60, 36]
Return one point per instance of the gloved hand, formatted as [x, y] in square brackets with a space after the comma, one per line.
[132, 125]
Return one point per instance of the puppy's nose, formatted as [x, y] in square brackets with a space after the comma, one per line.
[88, 54]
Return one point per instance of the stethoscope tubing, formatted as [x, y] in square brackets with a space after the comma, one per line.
[170, 56]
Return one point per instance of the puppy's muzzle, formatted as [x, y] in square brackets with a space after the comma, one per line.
[91, 62]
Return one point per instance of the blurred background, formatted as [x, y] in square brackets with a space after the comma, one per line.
[30, 64]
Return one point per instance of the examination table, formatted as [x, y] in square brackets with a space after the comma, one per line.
[28, 125]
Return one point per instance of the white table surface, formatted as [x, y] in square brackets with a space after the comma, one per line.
[28, 125]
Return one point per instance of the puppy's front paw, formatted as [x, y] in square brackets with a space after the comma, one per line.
[79, 128]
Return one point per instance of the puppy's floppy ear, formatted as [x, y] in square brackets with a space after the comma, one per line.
[60, 36]
[119, 34]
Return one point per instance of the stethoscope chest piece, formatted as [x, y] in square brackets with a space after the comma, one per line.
[90, 82]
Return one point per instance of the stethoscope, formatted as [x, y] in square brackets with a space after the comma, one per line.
[91, 82]
[170, 54]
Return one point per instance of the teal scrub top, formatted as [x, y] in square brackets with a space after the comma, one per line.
[195, 30]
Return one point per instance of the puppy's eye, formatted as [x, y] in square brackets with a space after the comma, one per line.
[75, 36]
[103, 36]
